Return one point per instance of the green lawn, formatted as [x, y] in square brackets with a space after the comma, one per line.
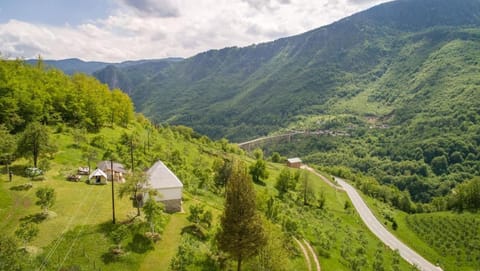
[166, 249]
[77, 235]
[80, 210]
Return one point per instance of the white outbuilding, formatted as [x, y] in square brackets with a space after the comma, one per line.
[98, 176]
[168, 186]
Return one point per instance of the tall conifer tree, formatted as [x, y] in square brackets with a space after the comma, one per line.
[241, 234]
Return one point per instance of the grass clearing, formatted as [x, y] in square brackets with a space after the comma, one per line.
[78, 234]
[166, 249]
[361, 105]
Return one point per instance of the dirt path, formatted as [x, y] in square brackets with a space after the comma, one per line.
[165, 249]
[305, 254]
[314, 255]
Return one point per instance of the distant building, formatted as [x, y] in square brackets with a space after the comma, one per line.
[294, 162]
[118, 170]
[168, 186]
[98, 177]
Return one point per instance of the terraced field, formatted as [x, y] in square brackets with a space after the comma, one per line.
[456, 237]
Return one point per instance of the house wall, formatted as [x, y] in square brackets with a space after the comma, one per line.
[294, 165]
[117, 176]
[93, 180]
[172, 206]
[171, 198]
[169, 193]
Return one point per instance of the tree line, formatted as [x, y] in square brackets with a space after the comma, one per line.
[48, 96]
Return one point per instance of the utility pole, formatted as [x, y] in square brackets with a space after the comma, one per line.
[113, 194]
[8, 168]
[148, 139]
[131, 152]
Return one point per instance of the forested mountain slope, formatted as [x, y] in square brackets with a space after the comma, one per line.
[374, 57]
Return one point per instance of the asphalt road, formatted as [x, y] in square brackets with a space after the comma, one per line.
[383, 234]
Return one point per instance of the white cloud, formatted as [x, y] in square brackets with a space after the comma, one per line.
[160, 8]
[162, 28]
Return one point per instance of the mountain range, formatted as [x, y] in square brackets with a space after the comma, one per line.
[75, 65]
[400, 61]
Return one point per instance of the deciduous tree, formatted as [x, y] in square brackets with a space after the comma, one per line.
[259, 171]
[7, 146]
[89, 154]
[307, 188]
[286, 181]
[379, 261]
[153, 213]
[35, 141]
[133, 186]
[198, 215]
[9, 254]
[222, 169]
[46, 198]
[440, 165]
[131, 141]
[467, 196]
[119, 234]
[274, 255]
[26, 232]
[276, 158]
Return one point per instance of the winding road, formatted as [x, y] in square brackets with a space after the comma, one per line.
[383, 234]
[375, 226]
[368, 218]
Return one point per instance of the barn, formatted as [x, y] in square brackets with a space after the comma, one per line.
[118, 170]
[294, 162]
[168, 186]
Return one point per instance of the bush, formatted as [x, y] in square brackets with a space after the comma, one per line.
[153, 236]
[98, 141]
[38, 178]
[196, 230]
[33, 172]
[323, 253]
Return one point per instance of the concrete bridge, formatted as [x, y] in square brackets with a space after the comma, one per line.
[251, 144]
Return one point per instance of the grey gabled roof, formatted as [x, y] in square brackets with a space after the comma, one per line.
[117, 167]
[160, 176]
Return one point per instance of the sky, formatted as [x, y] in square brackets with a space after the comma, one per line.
[119, 30]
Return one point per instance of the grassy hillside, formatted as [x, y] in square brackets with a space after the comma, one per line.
[78, 236]
[77, 233]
